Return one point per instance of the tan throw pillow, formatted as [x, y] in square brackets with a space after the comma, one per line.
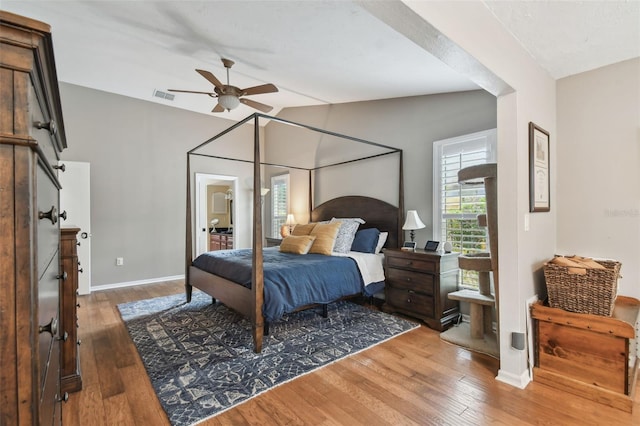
[325, 234]
[297, 244]
[303, 229]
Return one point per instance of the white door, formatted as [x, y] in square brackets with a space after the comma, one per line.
[75, 199]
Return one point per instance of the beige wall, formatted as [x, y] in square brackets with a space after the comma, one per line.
[598, 170]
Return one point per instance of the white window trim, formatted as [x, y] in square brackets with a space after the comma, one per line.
[485, 137]
[285, 176]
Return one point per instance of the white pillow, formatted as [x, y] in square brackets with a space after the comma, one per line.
[346, 233]
[382, 238]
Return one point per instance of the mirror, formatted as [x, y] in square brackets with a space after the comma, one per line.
[219, 203]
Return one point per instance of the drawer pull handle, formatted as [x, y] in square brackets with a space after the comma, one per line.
[60, 167]
[63, 215]
[409, 263]
[65, 397]
[80, 270]
[62, 276]
[51, 328]
[64, 337]
[78, 305]
[79, 342]
[52, 215]
[50, 126]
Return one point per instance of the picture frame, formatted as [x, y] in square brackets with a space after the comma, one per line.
[409, 245]
[539, 169]
[431, 245]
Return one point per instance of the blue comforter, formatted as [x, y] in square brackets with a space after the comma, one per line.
[290, 280]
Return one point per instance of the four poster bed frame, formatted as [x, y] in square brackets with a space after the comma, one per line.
[249, 301]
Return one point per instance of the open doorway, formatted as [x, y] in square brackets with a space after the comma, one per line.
[215, 209]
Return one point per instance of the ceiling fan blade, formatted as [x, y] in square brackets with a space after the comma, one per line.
[218, 108]
[256, 90]
[212, 78]
[192, 91]
[256, 105]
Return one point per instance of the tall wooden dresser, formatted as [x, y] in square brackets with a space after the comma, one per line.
[70, 377]
[32, 137]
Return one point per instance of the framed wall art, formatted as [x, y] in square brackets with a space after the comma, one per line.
[539, 178]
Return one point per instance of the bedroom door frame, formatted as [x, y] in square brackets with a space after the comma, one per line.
[201, 236]
[75, 199]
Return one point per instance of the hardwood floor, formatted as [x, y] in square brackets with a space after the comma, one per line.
[413, 379]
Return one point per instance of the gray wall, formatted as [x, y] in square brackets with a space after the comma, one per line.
[137, 152]
[412, 124]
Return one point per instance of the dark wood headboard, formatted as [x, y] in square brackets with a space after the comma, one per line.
[377, 214]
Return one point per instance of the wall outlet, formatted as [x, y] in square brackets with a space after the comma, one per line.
[119, 261]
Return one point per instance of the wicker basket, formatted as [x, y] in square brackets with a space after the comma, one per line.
[591, 293]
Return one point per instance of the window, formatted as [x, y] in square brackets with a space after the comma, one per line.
[279, 203]
[455, 206]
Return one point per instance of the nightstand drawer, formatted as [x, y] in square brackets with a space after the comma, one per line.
[410, 280]
[409, 300]
[407, 263]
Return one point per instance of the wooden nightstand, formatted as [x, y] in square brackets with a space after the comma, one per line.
[417, 283]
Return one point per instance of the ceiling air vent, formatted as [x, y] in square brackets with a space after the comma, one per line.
[163, 95]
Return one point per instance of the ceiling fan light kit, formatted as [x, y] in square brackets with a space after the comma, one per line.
[228, 102]
[229, 97]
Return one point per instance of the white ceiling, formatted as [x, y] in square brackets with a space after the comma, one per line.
[315, 52]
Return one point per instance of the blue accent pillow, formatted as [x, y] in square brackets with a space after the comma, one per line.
[366, 240]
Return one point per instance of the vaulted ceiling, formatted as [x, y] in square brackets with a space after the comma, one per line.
[315, 52]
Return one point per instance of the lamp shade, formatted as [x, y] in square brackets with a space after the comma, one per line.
[413, 221]
[290, 220]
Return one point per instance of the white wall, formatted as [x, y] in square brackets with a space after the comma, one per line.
[598, 200]
[489, 55]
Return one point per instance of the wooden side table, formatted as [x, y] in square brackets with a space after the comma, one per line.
[589, 355]
[417, 284]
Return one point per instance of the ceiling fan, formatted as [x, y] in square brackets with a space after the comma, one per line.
[229, 97]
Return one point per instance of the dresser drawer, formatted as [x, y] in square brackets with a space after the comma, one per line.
[48, 232]
[409, 300]
[46, 141]
[410, 280]
[408, 263]
[48, 305]
[49, 402]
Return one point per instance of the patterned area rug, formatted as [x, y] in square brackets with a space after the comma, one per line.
[200, 356]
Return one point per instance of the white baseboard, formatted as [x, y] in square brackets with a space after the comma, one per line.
[520, 381]
[134, 283]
